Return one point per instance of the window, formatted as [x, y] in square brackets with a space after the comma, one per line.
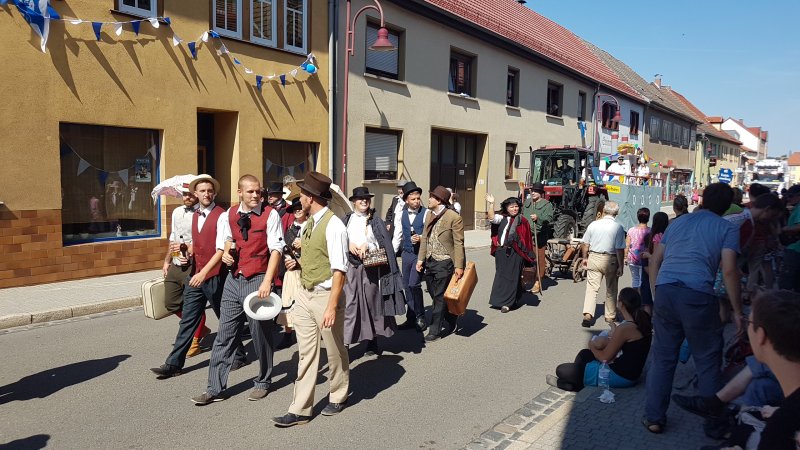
[294, 31]
[676, 134]
[634, 127]
[512, 87]
[554, 95]
[291, 158]
[581, 106]
[145, 8]
[666, 130]
[382, 64]
[608, 113]
[107, 174]
[511, 150]
[380, 154]
[655, 125]
[263, 22]
[227, 18]
[461, 74]
[684, 136]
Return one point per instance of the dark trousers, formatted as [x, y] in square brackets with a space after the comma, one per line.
[437, 277]
[231, 323]
[194, 304]
[413, 286]
[678, 313]
[570, 375]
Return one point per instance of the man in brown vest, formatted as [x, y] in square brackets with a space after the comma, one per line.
[256, 229]
[204, 284]
[319, 311]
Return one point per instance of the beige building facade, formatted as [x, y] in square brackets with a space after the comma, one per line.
[96, 124]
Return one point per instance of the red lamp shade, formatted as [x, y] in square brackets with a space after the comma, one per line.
[617, 116]
[382, 44]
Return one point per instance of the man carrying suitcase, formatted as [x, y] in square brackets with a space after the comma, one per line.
[441, 254]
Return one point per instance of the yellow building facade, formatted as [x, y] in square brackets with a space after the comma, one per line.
[93, 125]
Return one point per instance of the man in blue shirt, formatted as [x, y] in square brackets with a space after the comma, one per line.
[686, 261]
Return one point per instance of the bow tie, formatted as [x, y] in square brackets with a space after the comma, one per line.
[189, 208]
[244, 224]
[200, 213]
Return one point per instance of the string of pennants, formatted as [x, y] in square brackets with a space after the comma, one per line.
[102, 174]
[290, 170]
[38, 13]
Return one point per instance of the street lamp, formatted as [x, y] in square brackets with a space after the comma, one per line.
[382, 44]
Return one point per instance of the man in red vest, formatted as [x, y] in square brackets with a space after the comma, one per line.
[256, 230]
[204, 283]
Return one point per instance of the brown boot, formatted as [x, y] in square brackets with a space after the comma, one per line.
[536, 288]
[194, 349]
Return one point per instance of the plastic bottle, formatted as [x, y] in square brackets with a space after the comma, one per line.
[603, 376]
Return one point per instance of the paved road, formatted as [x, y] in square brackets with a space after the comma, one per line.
[85, 383]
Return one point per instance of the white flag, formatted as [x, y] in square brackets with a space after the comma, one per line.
[294, 72]
[153, 22]
[76, 21]
[204, 37]
[124, 175]
[118, 29]
[246, 70]
[176, 41]
[82, 166]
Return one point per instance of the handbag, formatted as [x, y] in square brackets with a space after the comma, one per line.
[375, 258]
[528, 277]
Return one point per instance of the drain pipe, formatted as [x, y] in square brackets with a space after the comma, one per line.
[333, 20]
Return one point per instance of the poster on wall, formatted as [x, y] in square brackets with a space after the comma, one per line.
[144, 170]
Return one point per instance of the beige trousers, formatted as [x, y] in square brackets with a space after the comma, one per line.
[601, 266]
[307, 317]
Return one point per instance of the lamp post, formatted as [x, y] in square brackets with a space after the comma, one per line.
[382, 43]
[617, 116]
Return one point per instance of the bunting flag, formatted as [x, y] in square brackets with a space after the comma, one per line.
[283, 80]
[136, 25]
[38, 15]
[102, 177]
[193, 49]
[96, 27]
[124, 175]
[259, 79]
[267, 165]
[82, 166]
[176, 41]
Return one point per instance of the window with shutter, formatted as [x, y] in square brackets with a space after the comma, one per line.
[380, 154]
[294, 28]
[263, 22]
[383, 64]
[227, 18]
[666, 131]
[655, 128]
[634, 126]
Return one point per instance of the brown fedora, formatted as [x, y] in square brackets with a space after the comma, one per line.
[442, 194]
[317, 185]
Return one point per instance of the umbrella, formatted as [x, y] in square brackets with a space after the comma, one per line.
[171, 186]
[339, 204]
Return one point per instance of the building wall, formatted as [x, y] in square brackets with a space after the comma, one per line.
[624, 132]
[663, 150]
[420, 103]
[748, 139]
[142, 82]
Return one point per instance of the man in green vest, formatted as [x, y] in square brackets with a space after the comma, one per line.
[540, 212]
[319, 307]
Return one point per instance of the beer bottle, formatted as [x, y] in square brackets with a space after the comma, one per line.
[184, 248]
[290, 252]
[234, 252]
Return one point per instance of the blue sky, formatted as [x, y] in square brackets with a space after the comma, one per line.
[736, 59]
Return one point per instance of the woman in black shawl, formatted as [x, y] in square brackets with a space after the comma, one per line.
[512, 249]
[374, 295]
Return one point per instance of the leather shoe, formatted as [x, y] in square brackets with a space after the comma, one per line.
[257, 394]
[290, 420]
[166, 371]
[696, 404]
[205, 398]
[421, 325]
[333, 409]
[239, 364]
[586, 322]
[432, 338]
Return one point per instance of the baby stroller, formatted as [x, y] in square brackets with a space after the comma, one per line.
[564, 256]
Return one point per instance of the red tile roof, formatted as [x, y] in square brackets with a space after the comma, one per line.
[764, 135]
[706, 126]
[525, 27]
[794, 159]
[714, 119]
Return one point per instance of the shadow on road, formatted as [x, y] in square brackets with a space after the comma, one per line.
[43, 384]
[373, 377]
[34, 442]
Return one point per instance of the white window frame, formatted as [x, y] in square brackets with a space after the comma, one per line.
[152, 12]
[293, 48]
[223, 31]
[394, 154]
[268, 42]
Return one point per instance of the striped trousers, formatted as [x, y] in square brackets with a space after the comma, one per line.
[231, 323]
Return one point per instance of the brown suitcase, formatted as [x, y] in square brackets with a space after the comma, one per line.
[458, 293]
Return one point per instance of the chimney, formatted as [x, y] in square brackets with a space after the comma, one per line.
[658, 81]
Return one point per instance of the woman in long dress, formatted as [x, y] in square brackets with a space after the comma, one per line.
[512, 249]
[374, 295]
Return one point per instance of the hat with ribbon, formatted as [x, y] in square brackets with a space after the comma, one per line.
[441, 193]
[294, 206]
[361, 192]
[317, 185]
[203, 177]
[538, 187]
[410, 187]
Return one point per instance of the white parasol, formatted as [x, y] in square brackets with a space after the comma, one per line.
[171, 186]
[339, 204]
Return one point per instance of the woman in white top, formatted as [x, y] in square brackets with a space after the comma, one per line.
[374, 295]
[291, 278]
[454, 201]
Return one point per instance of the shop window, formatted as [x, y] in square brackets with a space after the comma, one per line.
[512, 87]
[634, 126]
[555, 93]
[380, 154]
[608, 112]
[295, 17]
[581, 106]
[511, 150]
[228, 18]
[144, 8]
[107, 174]
[288, 158]
[461, 74]
[383, 64]
[263, 22]
[655, 127]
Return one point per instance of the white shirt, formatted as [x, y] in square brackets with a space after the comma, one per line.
[359, 233]
[336, 235]
[398, 208]
[274, 229]
[397, 237]
[496, 220]
[181, 227]
[203, 214]
[604, 236]
[617, 169]
[457, 207]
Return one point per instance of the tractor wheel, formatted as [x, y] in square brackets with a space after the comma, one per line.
[578, 272]
[564, 227]
[594, 204]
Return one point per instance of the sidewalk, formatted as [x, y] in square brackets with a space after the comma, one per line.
[28, 305]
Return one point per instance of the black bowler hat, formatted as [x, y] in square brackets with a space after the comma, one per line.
[274, 188]
[294, 206]
[538, 187]
[410, 187]
[361, 192]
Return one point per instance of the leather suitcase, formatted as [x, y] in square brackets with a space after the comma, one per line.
[153, 299]
[458, 293]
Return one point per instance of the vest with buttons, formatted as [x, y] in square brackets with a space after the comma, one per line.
[316, 262]
[418, 224]
[204, 242]
[253, 253]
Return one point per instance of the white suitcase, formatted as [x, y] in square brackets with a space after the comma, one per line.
[153, 295]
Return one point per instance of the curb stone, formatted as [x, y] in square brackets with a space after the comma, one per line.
[68, 312]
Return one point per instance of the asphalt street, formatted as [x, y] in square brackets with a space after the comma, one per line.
[87, 384]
